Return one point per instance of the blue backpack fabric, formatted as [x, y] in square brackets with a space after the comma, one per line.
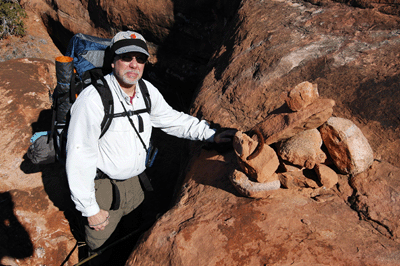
[87, 51]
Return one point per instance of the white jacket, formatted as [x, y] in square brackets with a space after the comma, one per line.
[119, 153]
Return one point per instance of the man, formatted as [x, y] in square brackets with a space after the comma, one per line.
[117, 158]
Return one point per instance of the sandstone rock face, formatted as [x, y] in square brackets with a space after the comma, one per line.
[301, 96]
[297, 179]
[104, 18]
[377, 192]
[290, 167]
[303, 149]
[351, 60]
[347, 145]
[33, 200]
[36, 44]
[329, 45]
[212, 224]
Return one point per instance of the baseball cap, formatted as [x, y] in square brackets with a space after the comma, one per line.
[128, 41]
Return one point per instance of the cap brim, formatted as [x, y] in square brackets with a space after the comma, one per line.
[131, 48]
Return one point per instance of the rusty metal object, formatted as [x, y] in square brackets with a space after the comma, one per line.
[259, 147]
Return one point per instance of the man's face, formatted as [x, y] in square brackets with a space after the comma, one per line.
[128, 68]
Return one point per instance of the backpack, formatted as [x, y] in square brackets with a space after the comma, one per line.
[80, 67]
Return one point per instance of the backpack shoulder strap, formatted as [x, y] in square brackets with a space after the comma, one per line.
[101, 85]
[146, 94]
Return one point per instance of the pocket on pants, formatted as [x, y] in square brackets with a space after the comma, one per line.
[104, 193]
[134, 194]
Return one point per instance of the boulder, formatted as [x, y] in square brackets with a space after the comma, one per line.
[277, 127]
[288, 167]
[303, 149]
[347, 146]
[301, 96]
[251, 189]
[327, 177]
[255, 159]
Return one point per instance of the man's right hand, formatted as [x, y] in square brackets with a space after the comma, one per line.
[99, 221]
[224, 135]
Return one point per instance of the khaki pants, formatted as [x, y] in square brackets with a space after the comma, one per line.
[131, 196]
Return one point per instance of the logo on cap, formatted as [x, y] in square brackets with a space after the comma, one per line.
[133, 36]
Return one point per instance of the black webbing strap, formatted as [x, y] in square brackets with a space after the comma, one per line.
[116, 196]
[146, 182]
[131, 113]
[98, 81]
[56, 99]
[133, 125]
[102, 87]
[143, 177]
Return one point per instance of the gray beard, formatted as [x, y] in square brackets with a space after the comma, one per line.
[127, 81]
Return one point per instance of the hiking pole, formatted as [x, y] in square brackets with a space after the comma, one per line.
[99, 252]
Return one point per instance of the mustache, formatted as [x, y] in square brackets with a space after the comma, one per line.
[131, 71]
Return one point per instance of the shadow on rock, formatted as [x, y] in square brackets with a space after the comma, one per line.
[56, 186]
[14, 241]
[215, 164]
[44, 121]
[54, 178]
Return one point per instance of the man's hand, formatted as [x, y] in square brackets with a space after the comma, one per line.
[99, 221]
[224, 136]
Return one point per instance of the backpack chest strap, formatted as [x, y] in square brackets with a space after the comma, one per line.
[132, 113]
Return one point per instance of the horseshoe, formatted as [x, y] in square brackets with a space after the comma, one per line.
[259, 147]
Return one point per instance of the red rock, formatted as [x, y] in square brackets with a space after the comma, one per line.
[35, 198]
[351, 53]
[301, 96]
[252, 189]
[263, 166]
[154, 16]
[213, 224]
[326, 175]
[347, 146]
[291, 168]
[282, 126]
[376, 196]
[296, 179]
[303, 149]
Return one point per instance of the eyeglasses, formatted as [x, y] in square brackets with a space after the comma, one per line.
[141, 59]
